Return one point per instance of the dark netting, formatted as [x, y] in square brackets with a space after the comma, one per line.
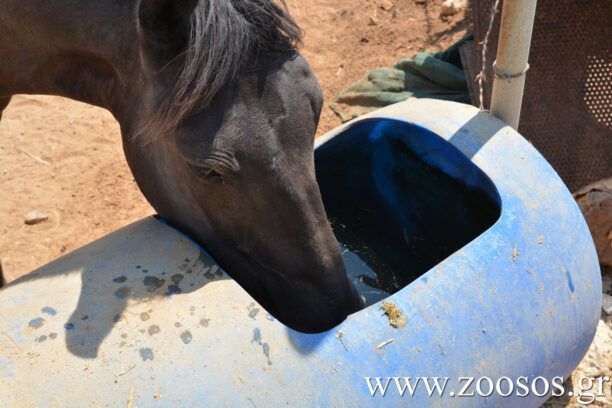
[567, 107]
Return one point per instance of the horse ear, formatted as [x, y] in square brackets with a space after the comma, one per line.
[164, 27]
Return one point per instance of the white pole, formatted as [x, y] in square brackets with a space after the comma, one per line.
[511, 64]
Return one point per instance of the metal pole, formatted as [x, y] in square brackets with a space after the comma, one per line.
[511, 64]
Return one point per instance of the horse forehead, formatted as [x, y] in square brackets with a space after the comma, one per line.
[238, 137]
[260, 116]
[296, 66]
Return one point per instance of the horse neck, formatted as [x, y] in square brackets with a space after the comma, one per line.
[88, 53]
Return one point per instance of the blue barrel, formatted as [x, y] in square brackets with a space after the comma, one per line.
[439, 208]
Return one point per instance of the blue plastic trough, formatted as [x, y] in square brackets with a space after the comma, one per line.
[488, 255]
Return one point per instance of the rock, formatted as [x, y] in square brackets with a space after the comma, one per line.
[373, 20]
[606, 303]
[396, 14]
[595, 201]
[593, 371]
[451, 7]
[597, 363]
[386, 5]
[35, 217]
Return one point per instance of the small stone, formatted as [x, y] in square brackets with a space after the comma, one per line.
[373, 21]
[451, 7]
[386, 5]
[35, 217]
[396, 14]
[606, 303]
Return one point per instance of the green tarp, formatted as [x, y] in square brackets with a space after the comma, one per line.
[428, 75]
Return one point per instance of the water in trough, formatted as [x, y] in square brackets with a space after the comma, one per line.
[400, 200]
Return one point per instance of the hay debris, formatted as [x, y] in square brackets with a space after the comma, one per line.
[396, 318]
[127, 370]
[340, 336]
[515, 253]
[130, 398]
[384, 344]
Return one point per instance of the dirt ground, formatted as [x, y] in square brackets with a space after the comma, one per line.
[64, 158]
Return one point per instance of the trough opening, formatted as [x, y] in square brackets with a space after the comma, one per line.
[400, 200]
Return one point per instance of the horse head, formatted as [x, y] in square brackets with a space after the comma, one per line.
[221, 144]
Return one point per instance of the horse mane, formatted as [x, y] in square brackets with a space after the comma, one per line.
[225, 37]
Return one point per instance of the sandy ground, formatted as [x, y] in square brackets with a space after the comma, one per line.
[65, 158]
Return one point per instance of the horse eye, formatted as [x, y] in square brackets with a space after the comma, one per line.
[207, 173]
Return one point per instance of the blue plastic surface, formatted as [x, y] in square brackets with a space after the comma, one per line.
[93, 328]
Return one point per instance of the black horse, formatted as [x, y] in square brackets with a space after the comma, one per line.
[217, 112]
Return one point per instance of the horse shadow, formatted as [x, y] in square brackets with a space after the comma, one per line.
[141, 263]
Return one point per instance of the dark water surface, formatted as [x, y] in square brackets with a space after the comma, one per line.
[400, 200]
